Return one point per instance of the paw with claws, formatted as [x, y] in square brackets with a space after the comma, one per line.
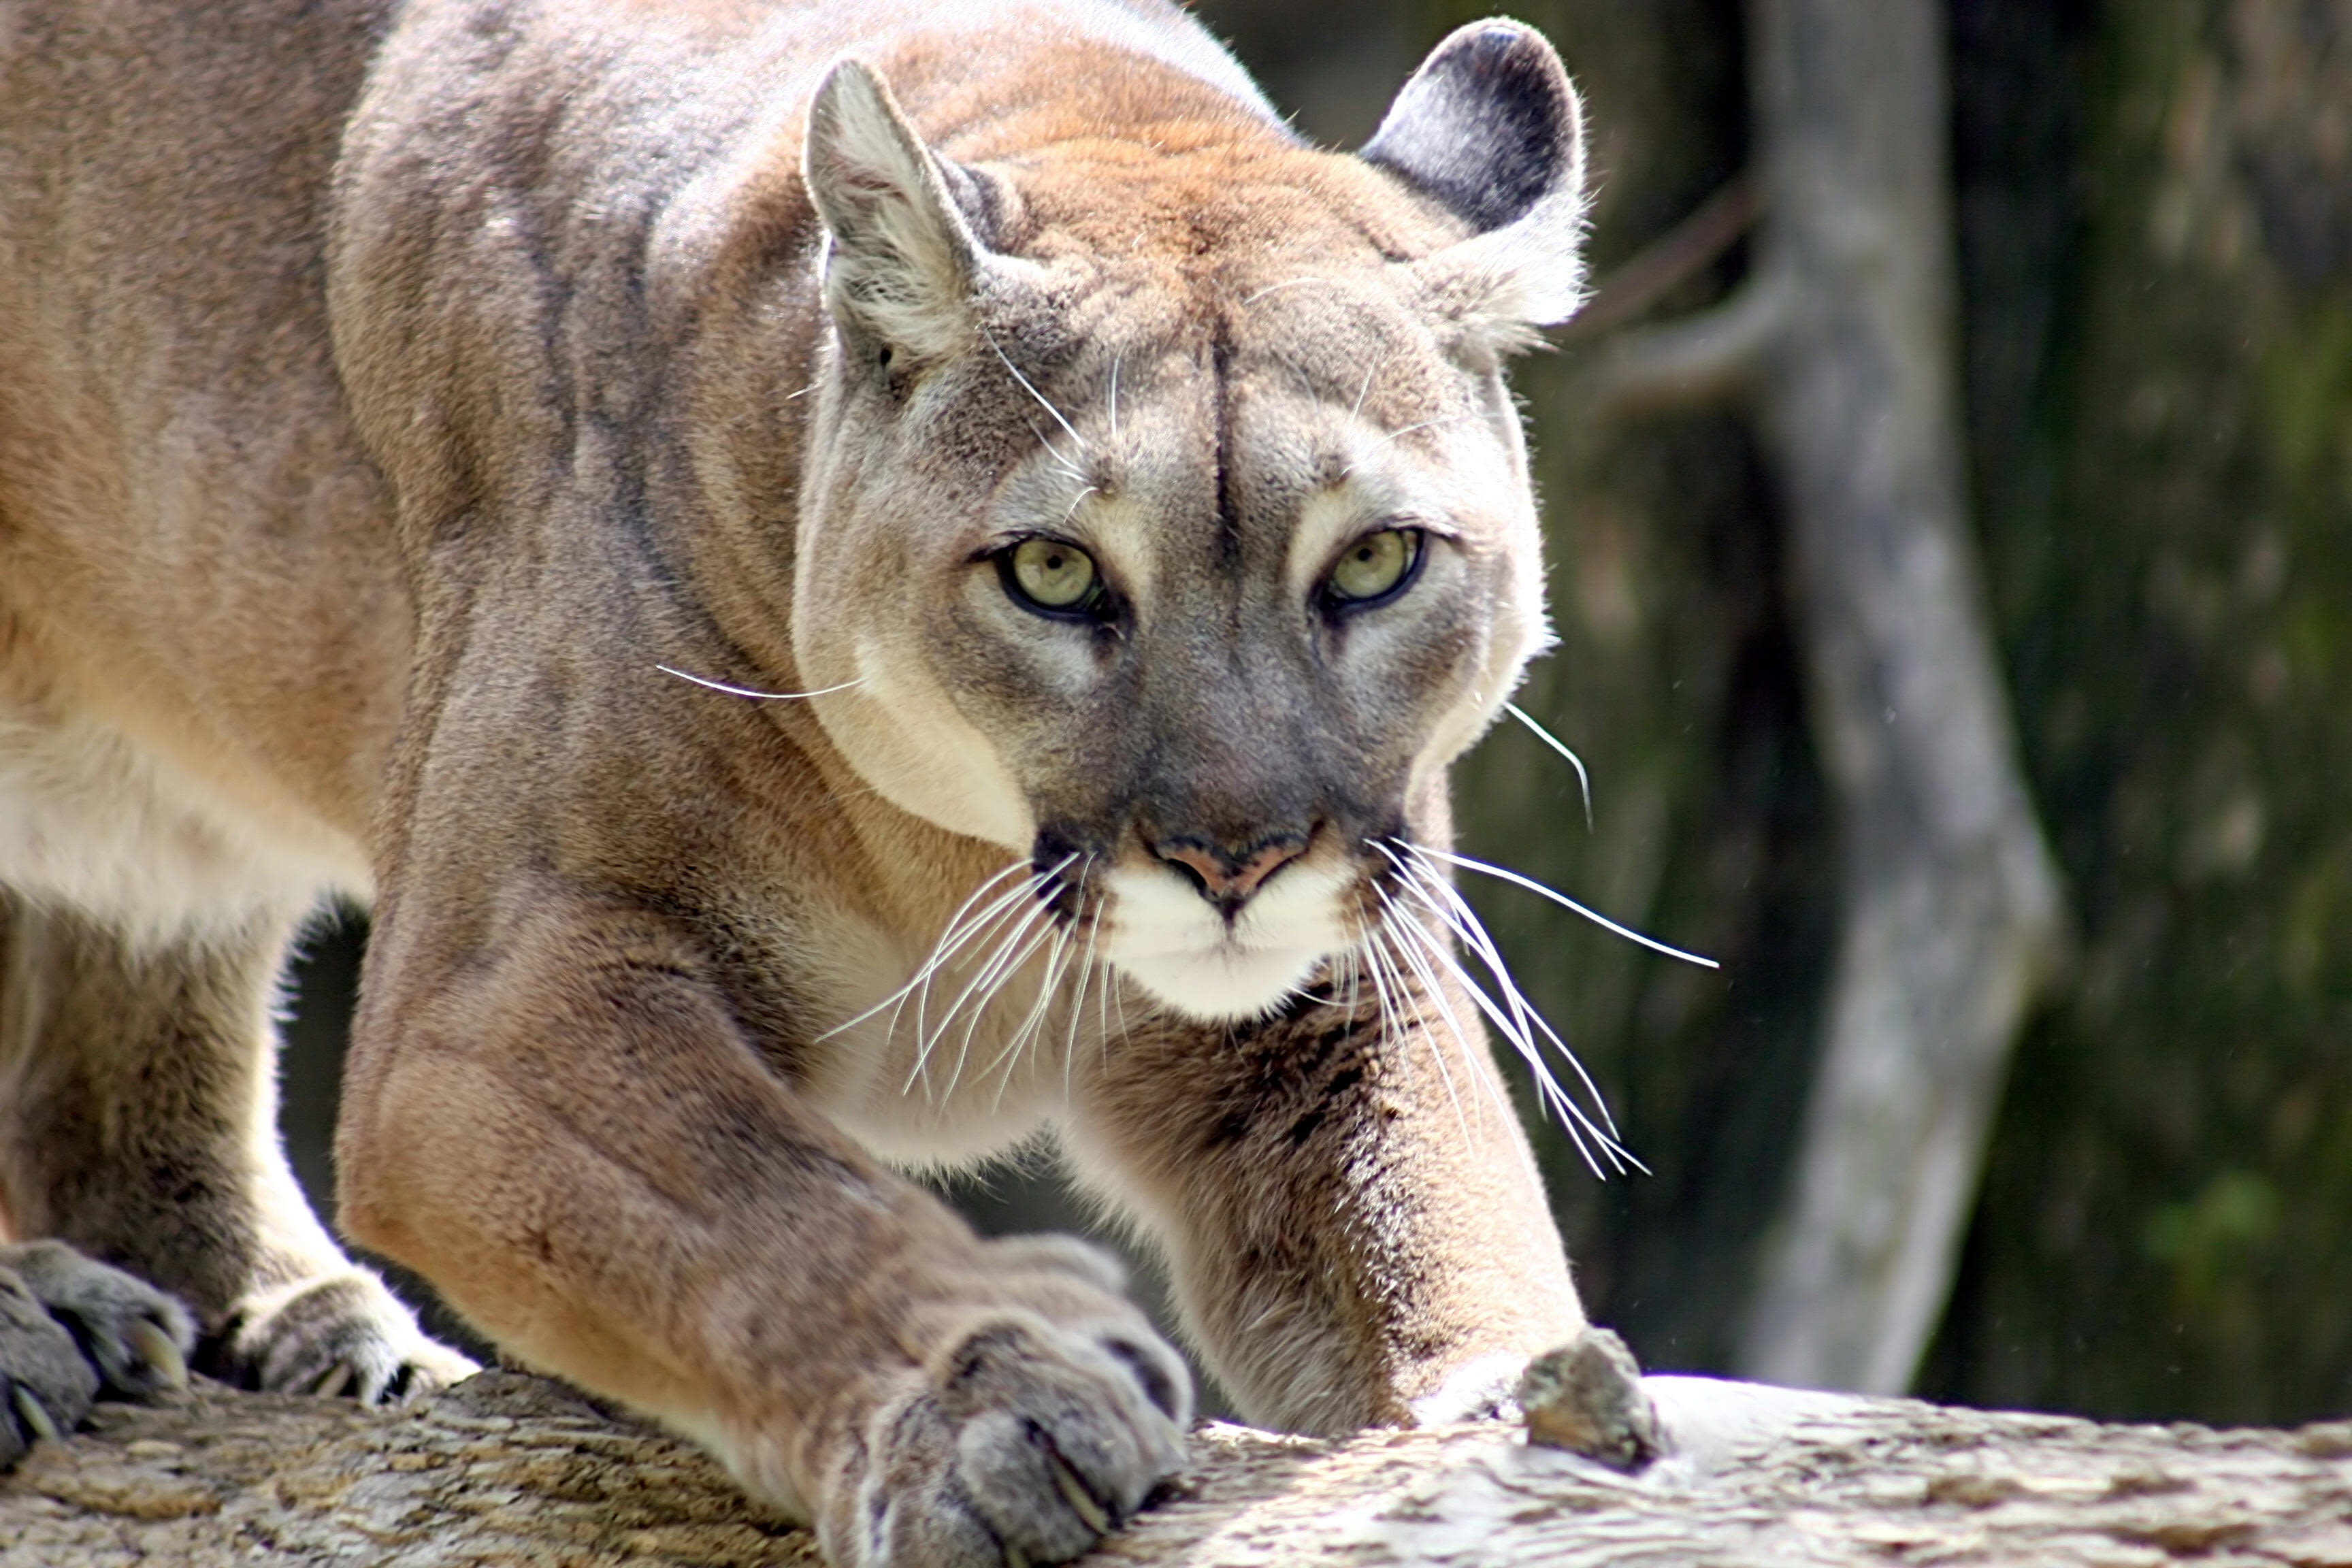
[344, 1334]
[1028, 1436]
[70, 1329]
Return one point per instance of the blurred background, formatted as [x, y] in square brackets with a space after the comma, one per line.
[2134, 228]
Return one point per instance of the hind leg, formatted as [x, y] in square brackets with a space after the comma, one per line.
[138, 1110]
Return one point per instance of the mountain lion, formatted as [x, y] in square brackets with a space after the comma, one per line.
[853, 581]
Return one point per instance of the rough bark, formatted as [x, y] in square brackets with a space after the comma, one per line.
[510, 1470]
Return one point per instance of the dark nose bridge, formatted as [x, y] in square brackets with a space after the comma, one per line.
[1233, 800]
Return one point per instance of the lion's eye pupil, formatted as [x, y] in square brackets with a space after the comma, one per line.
[1374, 565]
[1052, 575]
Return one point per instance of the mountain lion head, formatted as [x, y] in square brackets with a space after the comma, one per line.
[1177, 533]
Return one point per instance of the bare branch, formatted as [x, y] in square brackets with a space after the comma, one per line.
[1690, 362]
[1666, 263]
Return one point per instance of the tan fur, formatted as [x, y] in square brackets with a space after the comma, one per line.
[383, 405]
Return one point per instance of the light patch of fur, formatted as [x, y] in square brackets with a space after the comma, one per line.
[1119, 533]
[98, 822]
[1177, 947]
[1477, 1388]
[1499, 286]
[916, 748]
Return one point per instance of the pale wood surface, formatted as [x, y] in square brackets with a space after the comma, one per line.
[510, 1469]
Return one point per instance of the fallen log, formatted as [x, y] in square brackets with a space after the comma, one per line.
[508, 1468]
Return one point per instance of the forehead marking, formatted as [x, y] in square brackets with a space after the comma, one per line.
[1229, 525]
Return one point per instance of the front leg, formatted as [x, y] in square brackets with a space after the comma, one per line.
[577, 1143]
[1355, 1227]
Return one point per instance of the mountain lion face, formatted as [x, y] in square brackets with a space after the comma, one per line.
[1179, 543]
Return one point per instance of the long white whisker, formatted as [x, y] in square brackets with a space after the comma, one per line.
[1408, 942]
[1396, 435]
[1603, 921]
[927, 1038]
[759, 696]
[1033, 1026]
[1450, 906]
[1078, 1000]
[1364, 391]
[1402, 952]
[1380, 981]
[1377, 965]
[1042, 401]
[1395, 959]
[1289, 283]
[1435, 954]
[1016, 1046]
[1573, 1117]
[1474, 931]
[992, 920]
[992, 979]
[1583, 779]
[1102, 1007]
[1114, 392]
[1118, 989]
[946, 944]
[1000, 969]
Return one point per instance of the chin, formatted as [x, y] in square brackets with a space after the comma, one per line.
[1226, 985]
[1167, 940]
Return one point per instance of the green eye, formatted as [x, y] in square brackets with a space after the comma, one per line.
[1375, 565]
[1051, 574]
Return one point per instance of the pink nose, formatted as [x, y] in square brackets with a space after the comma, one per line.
[1225, 879]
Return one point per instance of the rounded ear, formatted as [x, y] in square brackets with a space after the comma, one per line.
[1490, 127]
[902, 260]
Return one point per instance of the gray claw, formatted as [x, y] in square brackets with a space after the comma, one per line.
[1075, 1492]
[35, 1416]
[337, 1379]
[159, 1350]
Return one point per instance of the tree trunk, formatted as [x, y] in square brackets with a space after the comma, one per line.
[508, 1468]
[1950, 904]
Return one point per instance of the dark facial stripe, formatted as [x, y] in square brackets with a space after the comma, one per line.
[1229, 522]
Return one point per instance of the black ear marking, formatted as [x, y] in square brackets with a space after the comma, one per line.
[1488, 125]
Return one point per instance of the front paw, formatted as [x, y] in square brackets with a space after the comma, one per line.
[71, 1327]
[340, 1335]
[135, 1336]
[1023, 1441]
[46, 1385]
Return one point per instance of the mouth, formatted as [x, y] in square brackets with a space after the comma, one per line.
[1214, 964]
